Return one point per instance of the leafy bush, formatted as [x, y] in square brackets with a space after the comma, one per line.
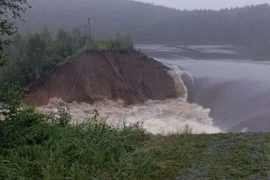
[20, 125]
[63, 117]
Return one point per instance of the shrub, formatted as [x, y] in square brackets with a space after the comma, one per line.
[63, 117]
[21, 125]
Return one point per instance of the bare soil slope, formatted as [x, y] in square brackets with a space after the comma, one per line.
[97, 75]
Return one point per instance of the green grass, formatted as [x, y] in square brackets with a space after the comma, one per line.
[97, 151]
[94, 151]
[222, 156]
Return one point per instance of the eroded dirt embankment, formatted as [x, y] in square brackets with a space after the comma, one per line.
[97, 75]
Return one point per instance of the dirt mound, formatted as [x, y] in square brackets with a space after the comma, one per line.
[98, 75]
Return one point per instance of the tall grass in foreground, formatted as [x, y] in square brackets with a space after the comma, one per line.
[32, 148]
[94, 151]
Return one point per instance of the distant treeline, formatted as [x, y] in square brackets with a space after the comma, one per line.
[239, 25]
[34, 55]
[149, 23]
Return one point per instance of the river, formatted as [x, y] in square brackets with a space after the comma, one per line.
[235, 88]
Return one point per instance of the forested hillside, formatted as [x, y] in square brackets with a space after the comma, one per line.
[150, 23]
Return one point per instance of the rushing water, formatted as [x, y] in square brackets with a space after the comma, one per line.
[237, 91]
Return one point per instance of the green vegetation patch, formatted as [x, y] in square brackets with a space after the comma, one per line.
[220, 156]
[94, 151]
[97, 151]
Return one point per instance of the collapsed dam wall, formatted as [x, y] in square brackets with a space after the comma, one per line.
[97, 75]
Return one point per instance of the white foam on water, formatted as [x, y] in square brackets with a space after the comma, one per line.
[176, 74]
[171, 116]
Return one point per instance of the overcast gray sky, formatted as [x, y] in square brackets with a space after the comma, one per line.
[205, 4]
